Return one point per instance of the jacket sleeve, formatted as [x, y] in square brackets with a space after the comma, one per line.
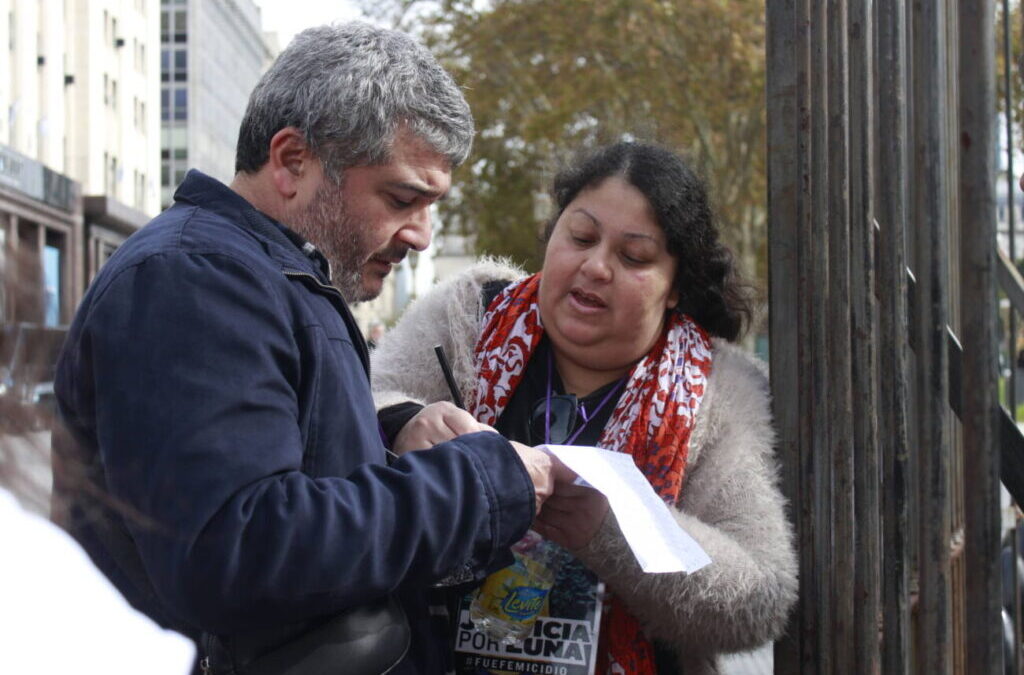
[404, 367]
[194, 368]
[732, 506]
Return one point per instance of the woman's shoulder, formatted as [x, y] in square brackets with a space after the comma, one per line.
[487, 271]
[733, 366]
[461, 294]
[737, 396]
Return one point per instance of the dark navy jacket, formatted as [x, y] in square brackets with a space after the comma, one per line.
[219, 387]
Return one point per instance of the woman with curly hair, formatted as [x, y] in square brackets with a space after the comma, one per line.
[622, 341]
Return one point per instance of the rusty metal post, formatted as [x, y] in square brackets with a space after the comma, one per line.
[893, 357]
[840, 371]
[814, 370]
[978, 306]
[867, 575]
[930, 219]
[787, 111]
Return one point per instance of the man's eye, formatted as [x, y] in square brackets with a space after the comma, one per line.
[400, 203]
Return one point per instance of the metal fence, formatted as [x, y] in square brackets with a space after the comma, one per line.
[883, 262]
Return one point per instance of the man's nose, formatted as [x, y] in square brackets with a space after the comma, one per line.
[417, 231]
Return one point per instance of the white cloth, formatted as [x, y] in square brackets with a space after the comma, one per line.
[59, 614]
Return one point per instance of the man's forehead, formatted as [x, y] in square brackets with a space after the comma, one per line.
[415, 166]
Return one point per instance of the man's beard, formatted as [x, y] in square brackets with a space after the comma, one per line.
[340, 238]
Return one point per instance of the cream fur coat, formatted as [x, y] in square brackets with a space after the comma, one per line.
[730, 501]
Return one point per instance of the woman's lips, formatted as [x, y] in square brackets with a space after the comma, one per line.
[586, 302]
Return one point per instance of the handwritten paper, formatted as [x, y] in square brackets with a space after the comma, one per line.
[658, 542]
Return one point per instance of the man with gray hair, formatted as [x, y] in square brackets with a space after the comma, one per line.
[216, 385]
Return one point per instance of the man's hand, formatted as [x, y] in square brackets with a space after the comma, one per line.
[436, 423]
[545, 472]
[572, 516]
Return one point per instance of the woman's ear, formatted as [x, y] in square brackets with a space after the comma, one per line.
[673, 299]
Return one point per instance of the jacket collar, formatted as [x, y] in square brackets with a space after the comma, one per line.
[285, 246]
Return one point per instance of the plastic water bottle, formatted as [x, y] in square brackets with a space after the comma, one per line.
[507, 605]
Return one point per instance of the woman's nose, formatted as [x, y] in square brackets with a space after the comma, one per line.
[596, 266]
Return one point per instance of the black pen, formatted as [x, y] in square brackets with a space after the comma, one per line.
[448, 377]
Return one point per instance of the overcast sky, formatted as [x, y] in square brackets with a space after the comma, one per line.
[288, 17]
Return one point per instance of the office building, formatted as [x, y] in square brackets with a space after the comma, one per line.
[212, 54]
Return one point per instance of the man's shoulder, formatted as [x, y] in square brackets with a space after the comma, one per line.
[177, 239]
[187, 230]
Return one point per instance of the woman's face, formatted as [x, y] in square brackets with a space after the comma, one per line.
[607, 278]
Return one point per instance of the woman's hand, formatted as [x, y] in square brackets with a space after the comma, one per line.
[572, 515]
[436, 423]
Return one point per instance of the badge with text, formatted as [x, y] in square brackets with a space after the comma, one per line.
[562, 640]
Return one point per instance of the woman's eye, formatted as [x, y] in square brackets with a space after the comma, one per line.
[581, 239]
[633, 260]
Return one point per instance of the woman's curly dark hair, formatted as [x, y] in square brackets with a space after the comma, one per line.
[710, 290]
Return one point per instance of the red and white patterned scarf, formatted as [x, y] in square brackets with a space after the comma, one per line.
[652, 421]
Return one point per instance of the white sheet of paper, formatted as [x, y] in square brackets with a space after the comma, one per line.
[657, 540]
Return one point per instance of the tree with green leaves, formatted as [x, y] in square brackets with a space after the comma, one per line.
[548, 78]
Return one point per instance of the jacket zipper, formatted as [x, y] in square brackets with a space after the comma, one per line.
[321, 285]
[346, 314]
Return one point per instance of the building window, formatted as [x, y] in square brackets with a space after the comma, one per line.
[106, 89]
[165, 26]
[165, 104]
[112, 178]
[142, 58]
[140, 190]
[180, 65]
[181, 104]
[142, 116]
[113, 94]
[52, 260]
[12, 30]
[180, 30]
[3, 262]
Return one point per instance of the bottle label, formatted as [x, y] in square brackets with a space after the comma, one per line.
[524, 602]
[517, 593]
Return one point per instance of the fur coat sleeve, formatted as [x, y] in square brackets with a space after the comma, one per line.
[404, 367]
[730, 503]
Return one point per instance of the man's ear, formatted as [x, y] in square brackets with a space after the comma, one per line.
[290, 161]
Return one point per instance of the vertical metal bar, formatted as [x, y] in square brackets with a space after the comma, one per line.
[930, 218]
[864, 311]
[787, 165]
[840, 372]
[814, 254]
[1015, 549]
[893, 362]
[1011, 216]
[979, 309]
[955, 504]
